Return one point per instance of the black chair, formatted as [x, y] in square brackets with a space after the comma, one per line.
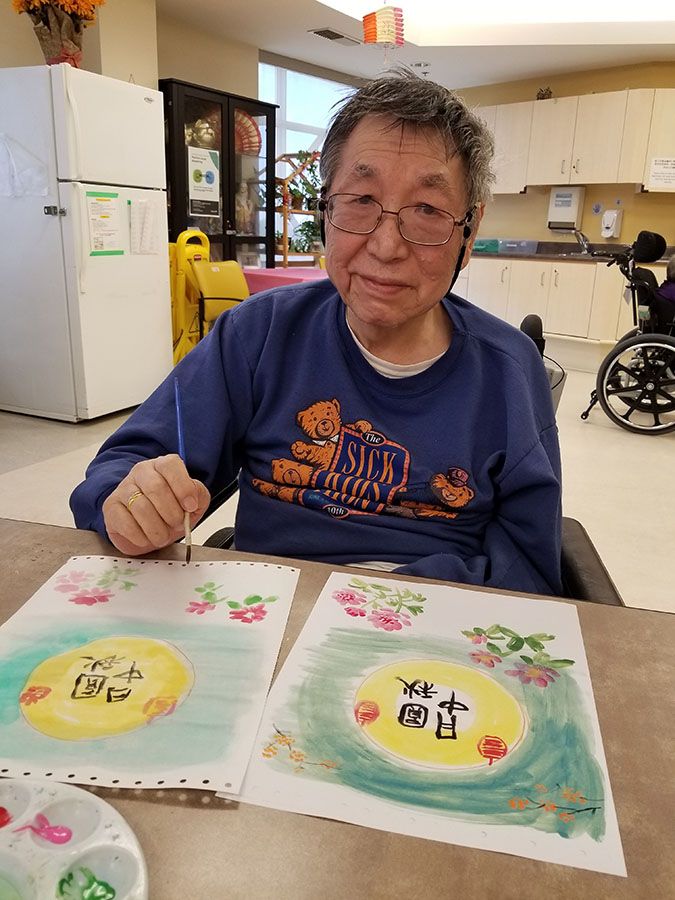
[583, 573]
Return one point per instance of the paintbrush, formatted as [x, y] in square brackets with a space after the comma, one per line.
[181, 452]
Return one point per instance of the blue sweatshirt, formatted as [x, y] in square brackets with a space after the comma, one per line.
[453, 473]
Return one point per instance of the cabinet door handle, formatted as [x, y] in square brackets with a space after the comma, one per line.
[555, 277]
[576, 166]
[504, 271]
[541, 281]
[562, 167]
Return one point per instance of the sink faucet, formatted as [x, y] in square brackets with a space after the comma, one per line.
[582, 240]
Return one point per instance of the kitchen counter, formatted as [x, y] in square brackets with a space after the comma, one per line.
[565, 251]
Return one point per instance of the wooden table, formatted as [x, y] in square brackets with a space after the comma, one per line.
[198, 847]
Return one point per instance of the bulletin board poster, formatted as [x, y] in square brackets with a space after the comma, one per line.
[203, 182]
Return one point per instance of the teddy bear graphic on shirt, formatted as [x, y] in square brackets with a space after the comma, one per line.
[345, 468]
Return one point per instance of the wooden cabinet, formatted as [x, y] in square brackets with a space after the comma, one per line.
[513, 122]
[660, 176]
[528, 290]
[489, 284]
[220, 170]
[597, 138]
[570, 299]
[551, 141]
[635, 135]
[561, 293]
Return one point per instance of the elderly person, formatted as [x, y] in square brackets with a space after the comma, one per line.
[373, 418]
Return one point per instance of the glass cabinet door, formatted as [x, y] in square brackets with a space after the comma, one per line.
[203, 130]
[252, 174]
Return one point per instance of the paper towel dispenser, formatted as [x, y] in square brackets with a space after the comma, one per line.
[565, 207]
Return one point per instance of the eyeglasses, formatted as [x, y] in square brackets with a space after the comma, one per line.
[421, 224]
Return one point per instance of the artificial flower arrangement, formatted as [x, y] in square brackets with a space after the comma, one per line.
[58, 25]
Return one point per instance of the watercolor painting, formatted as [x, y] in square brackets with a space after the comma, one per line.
[141, 673]
[456, 715]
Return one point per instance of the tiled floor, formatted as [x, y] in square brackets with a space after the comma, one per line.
[621, 486]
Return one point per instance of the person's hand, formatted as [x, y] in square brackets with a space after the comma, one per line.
[147, 508]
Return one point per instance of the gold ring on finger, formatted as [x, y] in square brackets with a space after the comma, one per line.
[134, 496]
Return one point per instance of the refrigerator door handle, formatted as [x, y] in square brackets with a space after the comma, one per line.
[84, 256]
[55, 210]
[77, 157]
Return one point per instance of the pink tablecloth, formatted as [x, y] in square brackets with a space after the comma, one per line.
[262, 279]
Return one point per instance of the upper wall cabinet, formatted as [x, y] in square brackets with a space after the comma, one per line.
[510, 125]
[513, 122]
[659, 171]
[551, 141]
[635, 135]
[597, 138]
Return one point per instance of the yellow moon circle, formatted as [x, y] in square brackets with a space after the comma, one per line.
[439, 714]
[106, 687]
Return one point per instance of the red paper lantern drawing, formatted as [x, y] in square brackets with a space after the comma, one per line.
[366, 711]
[385, 26]
[492, 748]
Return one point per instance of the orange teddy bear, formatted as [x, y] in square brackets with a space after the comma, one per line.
[321, 422]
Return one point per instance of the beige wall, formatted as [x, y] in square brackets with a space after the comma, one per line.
[18, 44]
[525, 215]
[109, 46]
[190, 54]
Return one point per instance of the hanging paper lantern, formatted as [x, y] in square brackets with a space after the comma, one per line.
[384, 26]
[492, 748]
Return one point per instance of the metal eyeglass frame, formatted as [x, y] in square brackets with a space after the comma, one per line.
[322, 206]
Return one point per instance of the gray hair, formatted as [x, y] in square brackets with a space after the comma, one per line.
[670, 269]
[408, 98]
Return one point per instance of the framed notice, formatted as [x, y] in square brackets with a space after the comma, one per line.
[203, 182]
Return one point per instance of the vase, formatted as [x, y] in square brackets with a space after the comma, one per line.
[59, 34]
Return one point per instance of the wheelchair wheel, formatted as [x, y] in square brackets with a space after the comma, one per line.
[636, 384]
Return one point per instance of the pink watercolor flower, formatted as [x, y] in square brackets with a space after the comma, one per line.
[91, 596]
[388, 620]
[354, 611]
[542, 676]
[484, 658]
[479, 639]
[74, 576]
[249, 613]
[349, 597]
[199, 606]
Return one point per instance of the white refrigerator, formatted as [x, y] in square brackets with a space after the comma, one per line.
[85, 308]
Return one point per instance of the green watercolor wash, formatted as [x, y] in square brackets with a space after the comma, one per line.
[7, 890]
[556, 750]
[84, 885]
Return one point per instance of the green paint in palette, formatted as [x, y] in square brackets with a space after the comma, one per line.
[83, 885]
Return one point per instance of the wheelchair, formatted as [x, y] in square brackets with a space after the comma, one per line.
[635, 385]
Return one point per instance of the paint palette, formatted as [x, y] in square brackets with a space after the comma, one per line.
[60, 841]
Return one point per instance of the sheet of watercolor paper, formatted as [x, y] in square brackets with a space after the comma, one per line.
[141, 673]
[461, 716]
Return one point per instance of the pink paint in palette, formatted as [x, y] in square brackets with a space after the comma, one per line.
[66, 843]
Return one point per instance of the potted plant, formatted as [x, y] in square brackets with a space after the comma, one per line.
[306, 236]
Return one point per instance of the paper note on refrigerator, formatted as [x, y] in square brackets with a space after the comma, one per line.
[144, 233]
[105, 224]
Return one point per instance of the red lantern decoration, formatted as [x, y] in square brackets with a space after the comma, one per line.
[492, 748]
[366, 711]
[385, 26]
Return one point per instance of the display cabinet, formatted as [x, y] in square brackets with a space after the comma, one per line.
[220, 154]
